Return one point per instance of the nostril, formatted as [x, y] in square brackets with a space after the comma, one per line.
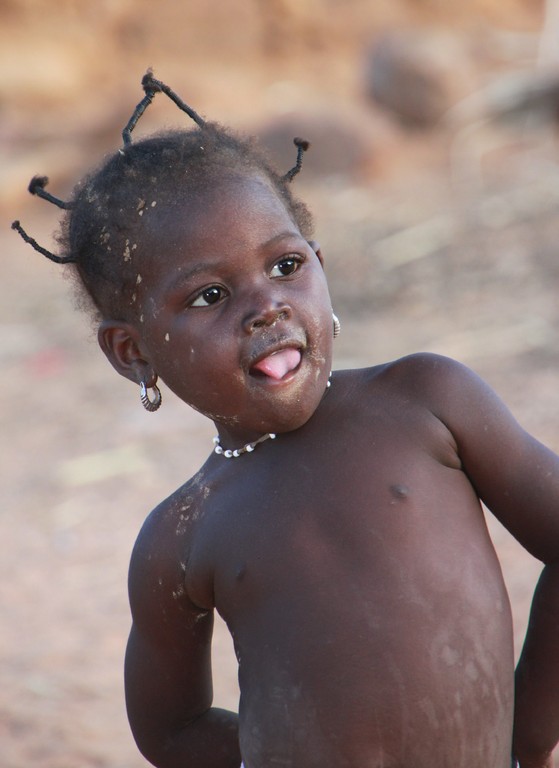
[268, 318]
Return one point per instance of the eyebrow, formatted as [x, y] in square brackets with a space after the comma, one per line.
[184, 277]
[283, 236]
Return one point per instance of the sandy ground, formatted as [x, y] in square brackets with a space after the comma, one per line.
[439, 255]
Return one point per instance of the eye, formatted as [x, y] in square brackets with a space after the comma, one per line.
[209, 296]
[286, 266]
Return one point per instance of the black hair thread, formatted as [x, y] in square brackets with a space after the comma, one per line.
[302, 146]
[152, 86]
[37, 187]
[57, 259]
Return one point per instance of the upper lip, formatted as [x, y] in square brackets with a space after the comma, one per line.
[260, 352]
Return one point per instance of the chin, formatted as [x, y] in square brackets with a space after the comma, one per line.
[289, 417]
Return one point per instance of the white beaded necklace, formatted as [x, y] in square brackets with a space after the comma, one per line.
[247, 447]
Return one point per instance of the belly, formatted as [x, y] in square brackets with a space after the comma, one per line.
[409, 691]
[375, 656]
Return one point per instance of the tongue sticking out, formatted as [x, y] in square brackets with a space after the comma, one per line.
[279, 363]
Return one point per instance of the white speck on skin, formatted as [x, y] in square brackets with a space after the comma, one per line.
[154, 203]
[138, 279]
[471, 671]
[167, 337]
[450, 656]
[427, 707]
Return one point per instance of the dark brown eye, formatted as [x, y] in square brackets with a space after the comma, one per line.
[286, 266]
[209, 296]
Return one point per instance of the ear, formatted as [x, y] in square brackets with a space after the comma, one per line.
[121, 344]
[316, 248]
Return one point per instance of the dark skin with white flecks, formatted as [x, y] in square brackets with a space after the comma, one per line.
[349, 557]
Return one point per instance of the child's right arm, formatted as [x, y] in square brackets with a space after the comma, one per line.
[537, 677]
[168, 677]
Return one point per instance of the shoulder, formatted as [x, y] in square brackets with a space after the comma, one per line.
[440, 387]
[172, 518]
[419, 368]
[160, 557]
[421, 378]
[423, 391]
[434, 380]
[472, 412]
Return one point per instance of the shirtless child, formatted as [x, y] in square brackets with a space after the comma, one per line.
[349, 556]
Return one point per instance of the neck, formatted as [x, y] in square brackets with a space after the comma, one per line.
[249, 446]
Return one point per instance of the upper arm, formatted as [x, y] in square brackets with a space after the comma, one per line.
[513, 474]
[168, 678]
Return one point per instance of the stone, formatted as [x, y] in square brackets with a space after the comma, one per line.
[417, 74]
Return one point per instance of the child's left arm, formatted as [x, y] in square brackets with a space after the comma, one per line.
[518, 480]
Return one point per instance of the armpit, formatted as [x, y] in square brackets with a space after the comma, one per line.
[444, 448]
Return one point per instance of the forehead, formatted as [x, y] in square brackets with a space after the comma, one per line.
[235, 209]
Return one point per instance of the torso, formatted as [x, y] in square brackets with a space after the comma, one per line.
[353, 567]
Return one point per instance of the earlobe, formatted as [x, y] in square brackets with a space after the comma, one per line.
[316, 248]
[119, 341]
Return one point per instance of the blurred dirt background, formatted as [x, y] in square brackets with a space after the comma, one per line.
[434, 180]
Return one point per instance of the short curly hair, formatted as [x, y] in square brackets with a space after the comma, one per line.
[102, 223]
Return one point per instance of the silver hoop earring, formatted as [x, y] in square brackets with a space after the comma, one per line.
[337, 325]
[150, 405]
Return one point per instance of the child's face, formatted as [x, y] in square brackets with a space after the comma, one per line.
[237, 319]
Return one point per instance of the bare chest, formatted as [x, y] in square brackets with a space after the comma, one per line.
[378, 516]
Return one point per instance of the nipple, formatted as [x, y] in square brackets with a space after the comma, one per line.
[399, 491]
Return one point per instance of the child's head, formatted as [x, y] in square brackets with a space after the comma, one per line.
[104, 228]
[141, 232]
[240, 283]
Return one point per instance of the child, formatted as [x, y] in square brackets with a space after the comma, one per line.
[349, 556]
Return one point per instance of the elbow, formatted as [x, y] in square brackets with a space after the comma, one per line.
[152, 750]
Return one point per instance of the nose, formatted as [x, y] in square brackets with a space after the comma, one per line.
[266, 316]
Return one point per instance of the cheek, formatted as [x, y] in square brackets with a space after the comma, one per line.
[190, 359]
[320, 308]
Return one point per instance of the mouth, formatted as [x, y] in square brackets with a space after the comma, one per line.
[277, 365]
